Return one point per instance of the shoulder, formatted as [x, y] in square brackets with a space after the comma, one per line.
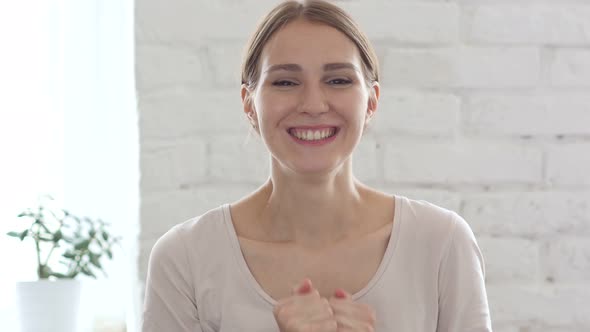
[191, 235]
[432, 221]
[424, 212]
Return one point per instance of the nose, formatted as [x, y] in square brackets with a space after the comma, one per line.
[313, 100]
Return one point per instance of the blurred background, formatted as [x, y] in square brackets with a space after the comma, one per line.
[131, 112]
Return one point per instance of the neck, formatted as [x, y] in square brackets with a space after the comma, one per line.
[312, 211]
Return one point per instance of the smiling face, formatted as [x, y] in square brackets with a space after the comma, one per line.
[311, 102]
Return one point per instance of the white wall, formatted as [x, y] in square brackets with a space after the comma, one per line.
[485, 110]
[68, 127]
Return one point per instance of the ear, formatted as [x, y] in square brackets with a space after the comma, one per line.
[373, 102]
[248, 106]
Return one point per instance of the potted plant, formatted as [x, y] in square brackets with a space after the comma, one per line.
[67, 247]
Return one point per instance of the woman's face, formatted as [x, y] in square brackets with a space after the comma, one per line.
[311, 102]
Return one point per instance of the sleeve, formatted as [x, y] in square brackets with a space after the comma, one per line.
[169, 303]
[463, 304]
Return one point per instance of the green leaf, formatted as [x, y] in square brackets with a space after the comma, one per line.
[68, 239]
[87, 272]
[69, 255]
[24, 214]
[92, 233]
[13, 234]
[109, 253]
[82, 245]
[94, 259]
[105, 236]
[59, 275]
[57, 236]
[45, 239]
[23, 234]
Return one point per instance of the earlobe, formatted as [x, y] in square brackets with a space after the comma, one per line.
[368, 117]
[374, 97]
[252, 117]
[246, 95]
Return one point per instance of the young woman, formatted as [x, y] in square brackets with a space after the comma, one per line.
[314, 249]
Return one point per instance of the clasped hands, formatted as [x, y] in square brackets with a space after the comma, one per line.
[306, 311]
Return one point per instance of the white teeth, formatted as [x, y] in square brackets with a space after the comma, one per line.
[310, 135]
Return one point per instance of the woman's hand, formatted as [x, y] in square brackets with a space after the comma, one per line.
[305, 311]
[352, 316]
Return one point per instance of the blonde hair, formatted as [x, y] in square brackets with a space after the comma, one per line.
[319, 11]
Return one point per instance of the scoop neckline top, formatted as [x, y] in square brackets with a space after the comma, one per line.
[253, 283]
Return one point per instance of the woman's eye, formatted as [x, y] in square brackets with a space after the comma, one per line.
[283, 83]
[340, 81]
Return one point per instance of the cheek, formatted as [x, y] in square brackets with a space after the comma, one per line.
[272, 107]
[354, 104]
[272, 103]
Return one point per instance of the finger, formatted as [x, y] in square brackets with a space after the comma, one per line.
[303, 288]
[328, 325]
[350, 313]
[351, 324]
[340, 293]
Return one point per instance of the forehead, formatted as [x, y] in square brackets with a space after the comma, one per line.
[310, 43]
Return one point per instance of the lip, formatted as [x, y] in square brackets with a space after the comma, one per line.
[316, 127]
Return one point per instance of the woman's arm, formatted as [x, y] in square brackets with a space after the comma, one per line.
[170, 303]
[463, 304]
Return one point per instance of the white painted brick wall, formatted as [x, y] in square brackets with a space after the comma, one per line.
[485, 110]
[462, 67]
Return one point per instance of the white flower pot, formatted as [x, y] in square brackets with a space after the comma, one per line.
[48, 306]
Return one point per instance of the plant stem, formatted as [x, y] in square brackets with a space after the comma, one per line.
[36, 238]
[49, 255]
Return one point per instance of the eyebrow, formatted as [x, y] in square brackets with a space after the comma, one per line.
[327, 67]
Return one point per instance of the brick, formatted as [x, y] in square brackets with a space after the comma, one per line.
[174, 166]
[416, 113]
[533, 326]
[568, 164]
[528, 115]
[528, 214]
[540, 304]
[570, 68]
[410, 22]
[160, 211]
[523, 262]
[239, 159]
[507, 327]
[566, 260]
[163, 209]
[167, 65]
[224, 58]
[462, 163]
[144, 249]
[462, 67]
[188, 111]
[192, 22]
[562, 24]
[364, 160]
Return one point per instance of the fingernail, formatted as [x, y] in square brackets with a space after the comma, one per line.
[305, 285]
[340, 293]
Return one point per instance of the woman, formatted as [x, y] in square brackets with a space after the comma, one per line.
[313, 249]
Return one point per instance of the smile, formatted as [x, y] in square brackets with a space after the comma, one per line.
[312, 135]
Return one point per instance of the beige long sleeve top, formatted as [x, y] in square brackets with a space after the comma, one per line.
[431, 277]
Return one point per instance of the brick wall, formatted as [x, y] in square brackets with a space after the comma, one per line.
[485, 110]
